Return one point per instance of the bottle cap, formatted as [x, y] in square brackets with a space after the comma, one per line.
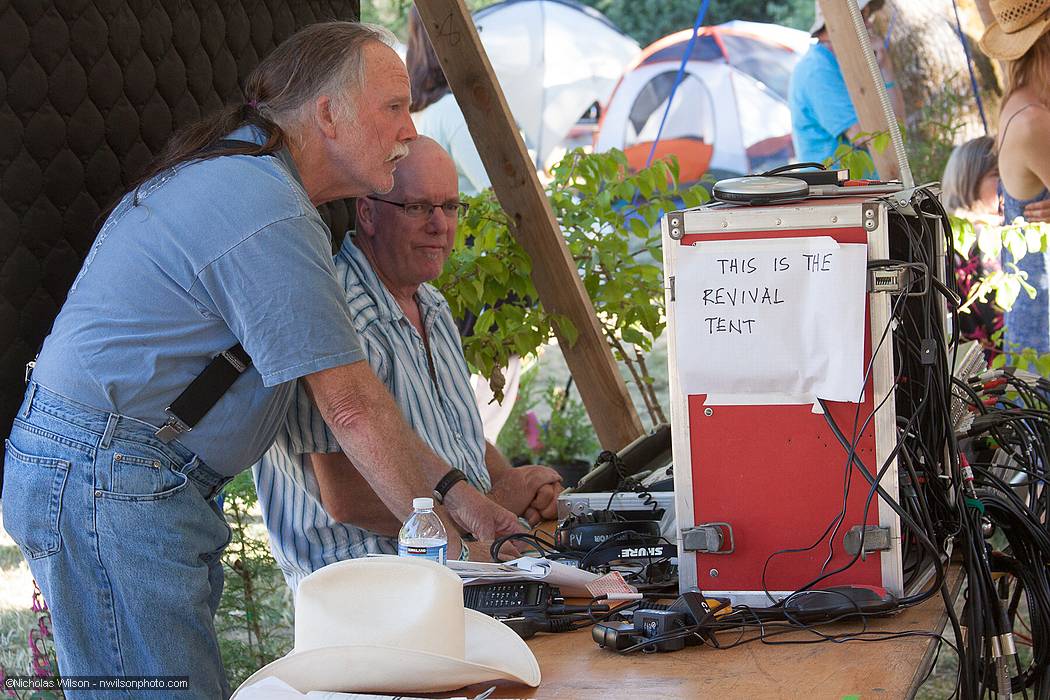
[421, 503]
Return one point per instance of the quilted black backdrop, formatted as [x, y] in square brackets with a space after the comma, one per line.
[91, 89]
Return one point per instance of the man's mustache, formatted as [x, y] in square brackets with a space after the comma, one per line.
[399, 152]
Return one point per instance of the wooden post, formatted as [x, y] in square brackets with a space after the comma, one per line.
[988, 19]
[984, 9]
[513, 176]
[859, 81]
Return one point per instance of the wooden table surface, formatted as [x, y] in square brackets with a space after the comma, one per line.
[573, 666]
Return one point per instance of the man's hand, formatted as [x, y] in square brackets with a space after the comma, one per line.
[1037, 211]
[545, 505]
[479, 515]
[532, 487]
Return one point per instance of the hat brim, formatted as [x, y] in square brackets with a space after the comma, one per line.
[1009, 47]
[494, 652]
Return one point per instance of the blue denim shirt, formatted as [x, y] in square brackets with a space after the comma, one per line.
[216, 252]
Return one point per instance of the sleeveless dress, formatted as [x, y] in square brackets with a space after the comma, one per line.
[1028, 322]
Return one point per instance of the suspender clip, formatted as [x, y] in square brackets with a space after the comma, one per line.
[172, 429]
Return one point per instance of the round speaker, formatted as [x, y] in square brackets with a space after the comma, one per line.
[758, 189]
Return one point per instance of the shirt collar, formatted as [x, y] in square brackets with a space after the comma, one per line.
[430, 299]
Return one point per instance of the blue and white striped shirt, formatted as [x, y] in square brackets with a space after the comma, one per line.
[441, 410]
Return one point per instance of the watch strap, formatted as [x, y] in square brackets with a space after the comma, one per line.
[453, 477]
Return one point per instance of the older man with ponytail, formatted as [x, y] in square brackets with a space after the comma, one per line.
[208, 292]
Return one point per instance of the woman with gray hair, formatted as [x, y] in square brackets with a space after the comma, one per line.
[970, 190]
[971, 178]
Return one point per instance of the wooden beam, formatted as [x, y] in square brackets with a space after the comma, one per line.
[984, 10]
[859, 81]
[513, 176]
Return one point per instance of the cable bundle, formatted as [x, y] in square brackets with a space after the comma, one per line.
[972, 481]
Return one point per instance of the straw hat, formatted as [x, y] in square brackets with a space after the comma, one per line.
[1018, 23]
[394, 625]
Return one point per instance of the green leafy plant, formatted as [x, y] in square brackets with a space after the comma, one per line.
[1004, 285]
[254, 618]
[608, 216]
[936, 132]
[565, 437]
[855, 155]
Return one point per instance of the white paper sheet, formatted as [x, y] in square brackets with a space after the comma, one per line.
[775, 321]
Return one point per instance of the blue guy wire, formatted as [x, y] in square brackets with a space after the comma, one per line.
[889, 30]
[678, 78]
[969, 65]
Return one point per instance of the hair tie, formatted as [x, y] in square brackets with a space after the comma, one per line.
[254, 104]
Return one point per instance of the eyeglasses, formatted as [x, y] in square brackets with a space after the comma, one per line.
[421, 209]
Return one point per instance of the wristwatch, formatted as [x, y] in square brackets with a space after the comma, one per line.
[453, 477]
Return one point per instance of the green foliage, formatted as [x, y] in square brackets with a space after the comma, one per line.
[254, 619]
[936, 132]
[1004, 285]
[1018, 239]
[647, 20]
[927, 145]
[855, 156]
[565, 437]
[393, 14]
[608, 216]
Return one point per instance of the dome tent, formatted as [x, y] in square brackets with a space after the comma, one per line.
[553, 59]
[730, 112]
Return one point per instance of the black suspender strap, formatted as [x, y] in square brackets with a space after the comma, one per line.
[204, 392]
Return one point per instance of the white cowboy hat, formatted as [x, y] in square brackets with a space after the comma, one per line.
[394, 625]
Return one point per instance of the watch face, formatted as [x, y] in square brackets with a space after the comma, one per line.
[439, 498]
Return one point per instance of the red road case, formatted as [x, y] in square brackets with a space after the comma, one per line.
[761, 483]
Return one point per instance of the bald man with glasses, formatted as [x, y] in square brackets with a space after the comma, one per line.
[316, 510]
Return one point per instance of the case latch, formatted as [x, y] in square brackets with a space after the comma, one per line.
[709, 538]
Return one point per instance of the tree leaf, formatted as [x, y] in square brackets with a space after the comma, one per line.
[566, 329]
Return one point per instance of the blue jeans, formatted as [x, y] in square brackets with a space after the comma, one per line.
[124, 538]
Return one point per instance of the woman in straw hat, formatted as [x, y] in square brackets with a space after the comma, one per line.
[1020, 38]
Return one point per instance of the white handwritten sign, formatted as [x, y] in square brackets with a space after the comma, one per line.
[776, 321]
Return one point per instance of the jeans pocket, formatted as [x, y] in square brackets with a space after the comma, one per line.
[32, 501]
[142, 478]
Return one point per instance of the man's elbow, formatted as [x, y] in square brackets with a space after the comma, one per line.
[349, 412]
[349, 397]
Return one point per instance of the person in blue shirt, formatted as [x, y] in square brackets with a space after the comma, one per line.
[822, 114]
[317, 508]
[219, 243]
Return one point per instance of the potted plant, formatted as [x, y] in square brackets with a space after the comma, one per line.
[565, 440]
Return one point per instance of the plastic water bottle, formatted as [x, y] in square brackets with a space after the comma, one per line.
[423, 534]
